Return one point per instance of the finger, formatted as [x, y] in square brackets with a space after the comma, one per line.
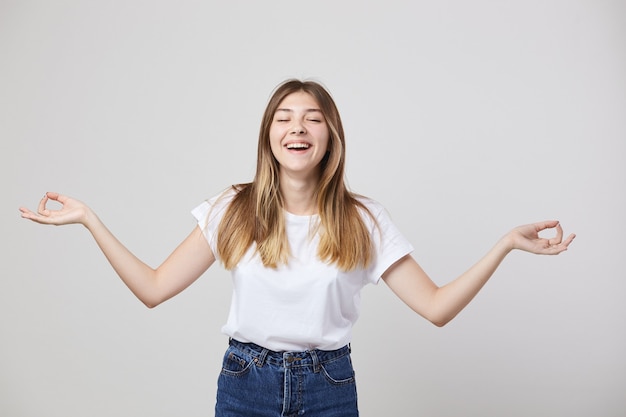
[41, 209]
[24, 211]
[548, 224]
[560, 247]
[27, 214]
[569, 240]
[56, 197]
[559, 235]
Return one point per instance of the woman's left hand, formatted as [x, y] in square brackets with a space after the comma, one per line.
[527, 238]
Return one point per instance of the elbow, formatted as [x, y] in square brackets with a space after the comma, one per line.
[440, 323]
[150, 302]
[150, 297]
[439, 320]
[439, 315]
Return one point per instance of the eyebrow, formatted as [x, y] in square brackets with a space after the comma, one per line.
[306, 111]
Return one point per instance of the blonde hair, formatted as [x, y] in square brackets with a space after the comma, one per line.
[255, 215]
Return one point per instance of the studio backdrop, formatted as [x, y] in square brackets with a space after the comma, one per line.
[464, 119]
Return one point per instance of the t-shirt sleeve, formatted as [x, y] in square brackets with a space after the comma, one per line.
[389, 243]
[208, 214]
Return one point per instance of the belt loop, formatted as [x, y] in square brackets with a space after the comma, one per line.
[260, 361]
[316, 361]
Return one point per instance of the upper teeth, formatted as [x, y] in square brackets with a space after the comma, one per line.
[297, 145]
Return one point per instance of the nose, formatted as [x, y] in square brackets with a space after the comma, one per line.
[297, 129]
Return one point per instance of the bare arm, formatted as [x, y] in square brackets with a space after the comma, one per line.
[441, 304]
[152, 286]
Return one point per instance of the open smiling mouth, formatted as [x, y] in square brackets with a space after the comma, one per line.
[298, 146]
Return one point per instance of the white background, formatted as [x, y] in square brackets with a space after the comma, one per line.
[464, 119]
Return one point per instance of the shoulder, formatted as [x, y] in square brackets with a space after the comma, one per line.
[369, 205]
[224, 198]
[216, 205]
[228, 195]
[374, 213]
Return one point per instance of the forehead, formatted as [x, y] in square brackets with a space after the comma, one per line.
[298, 100]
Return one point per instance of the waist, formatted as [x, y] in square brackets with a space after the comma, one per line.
[312, 357]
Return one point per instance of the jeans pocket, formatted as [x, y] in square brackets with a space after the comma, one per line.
[339, 371]
[235, 364]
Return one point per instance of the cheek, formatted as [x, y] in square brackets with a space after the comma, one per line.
[272, 133]
[325, 140]
[274, 138]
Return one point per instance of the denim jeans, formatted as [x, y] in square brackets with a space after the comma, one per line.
[256, 382]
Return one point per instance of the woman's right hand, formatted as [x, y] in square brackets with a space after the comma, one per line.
[71, 211]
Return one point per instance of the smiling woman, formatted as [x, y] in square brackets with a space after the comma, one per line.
[300, 247]
[306, 184]
[299, 140]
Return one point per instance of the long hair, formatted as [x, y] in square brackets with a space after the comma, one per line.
[255, 215]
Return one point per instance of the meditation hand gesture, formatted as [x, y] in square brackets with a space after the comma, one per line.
[527, 238]
[71, 211]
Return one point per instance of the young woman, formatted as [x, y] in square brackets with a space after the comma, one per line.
[300, 247]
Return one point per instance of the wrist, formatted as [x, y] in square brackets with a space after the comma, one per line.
[507, 243]
[89, 218]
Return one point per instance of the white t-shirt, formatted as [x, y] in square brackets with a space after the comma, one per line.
[306, 304]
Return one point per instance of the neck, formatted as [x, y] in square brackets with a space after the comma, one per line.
[299, 195]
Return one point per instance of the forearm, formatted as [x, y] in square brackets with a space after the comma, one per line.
[138, 277]
[448, 300]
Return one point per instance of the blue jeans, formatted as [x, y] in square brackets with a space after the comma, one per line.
[256, 382]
